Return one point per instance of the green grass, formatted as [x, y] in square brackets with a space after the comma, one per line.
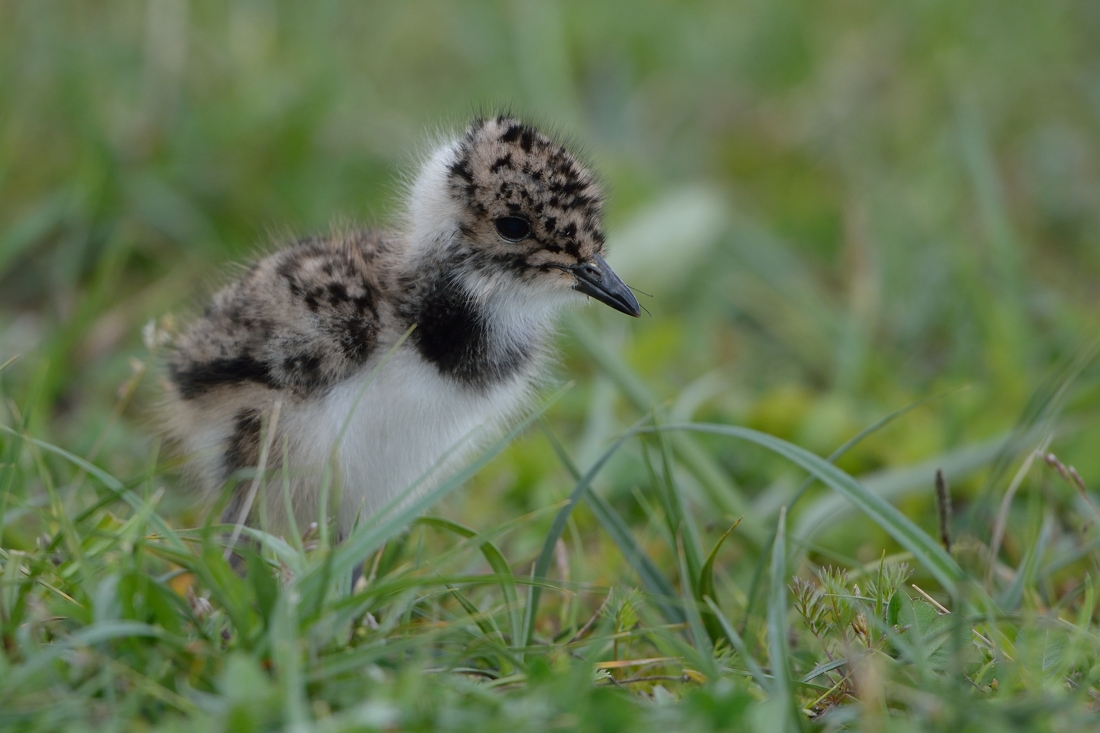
[871, 235]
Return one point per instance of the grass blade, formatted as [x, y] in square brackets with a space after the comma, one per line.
[496, 561]
[558, 526]
[778, 631]
[726, 495]
[109, 481]
[1028, 571]
[758, 573]
[287, 655]
[896, 483]
[758, 674]
[705, 585]
[925, 549]
[659, 589]
[699, 636]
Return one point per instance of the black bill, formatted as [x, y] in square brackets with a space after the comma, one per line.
[598, 280]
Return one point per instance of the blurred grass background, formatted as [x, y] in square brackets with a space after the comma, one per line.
[839, 209]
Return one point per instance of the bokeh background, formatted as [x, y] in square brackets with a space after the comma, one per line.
[838, 208]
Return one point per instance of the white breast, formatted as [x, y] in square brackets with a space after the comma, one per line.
[403, 421]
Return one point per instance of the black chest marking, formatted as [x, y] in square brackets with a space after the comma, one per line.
[452, 335]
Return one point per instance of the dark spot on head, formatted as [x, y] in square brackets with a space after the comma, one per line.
[461, 168]
[511, 134]
[504, 161]
[365, 303]
[357, 337]
[288, 270]
[550, 224]
[337, 293]
[526, 139]
[515, 262]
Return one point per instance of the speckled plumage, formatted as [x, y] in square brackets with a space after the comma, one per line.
[294, 342]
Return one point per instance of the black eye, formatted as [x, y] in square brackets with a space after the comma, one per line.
[513, 228]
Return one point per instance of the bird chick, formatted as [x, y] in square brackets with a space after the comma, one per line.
[298, 361]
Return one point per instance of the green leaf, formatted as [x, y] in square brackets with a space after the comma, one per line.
[705, 585]
[496, 561]
[96, 634]
[894, 607]
[1028, 570]
[758, 573]
[699, 636]
[758, 674]
[725, 494]
[923, 632]
[556, 529]
[286, 652]
[486, 624]
[905, 532]
[779, 630]
[262, 579]
[679, 519]
[660, 590]
[107, 480]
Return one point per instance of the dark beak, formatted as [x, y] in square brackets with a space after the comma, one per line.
[597, 279]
